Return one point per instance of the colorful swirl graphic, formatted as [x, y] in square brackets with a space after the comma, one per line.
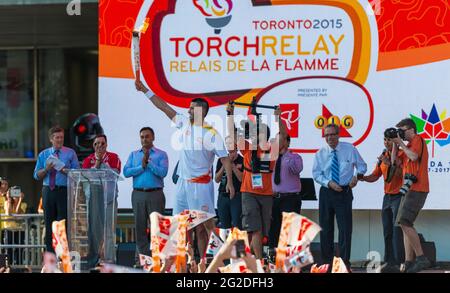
[214, 8]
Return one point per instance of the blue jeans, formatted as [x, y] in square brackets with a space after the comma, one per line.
[394, 249]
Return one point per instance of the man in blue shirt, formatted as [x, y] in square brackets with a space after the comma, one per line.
[334, 169]
[54, 191]
[148, 166]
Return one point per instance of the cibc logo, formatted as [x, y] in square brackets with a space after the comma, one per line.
[290, 117]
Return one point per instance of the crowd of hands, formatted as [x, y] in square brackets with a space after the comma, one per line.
[205, 265]
[191, 266]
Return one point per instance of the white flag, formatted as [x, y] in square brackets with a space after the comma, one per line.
[61, 245]
[146, 262]
[196, 217]
[236, 268]
[214, 244]
[302, 230]
[300, 259]
[338, 266]
[165, 230]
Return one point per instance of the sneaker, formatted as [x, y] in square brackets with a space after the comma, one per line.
[389, 269]
[421, 263]
[406, 266]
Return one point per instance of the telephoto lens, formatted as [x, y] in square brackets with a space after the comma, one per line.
[408, 181]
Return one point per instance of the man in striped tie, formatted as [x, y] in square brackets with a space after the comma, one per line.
[336, 168]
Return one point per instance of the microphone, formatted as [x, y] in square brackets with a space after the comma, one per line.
[382, 154]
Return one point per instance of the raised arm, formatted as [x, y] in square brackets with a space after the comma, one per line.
[235, 137]
[157, 101]
[412, 154]
[281, 125]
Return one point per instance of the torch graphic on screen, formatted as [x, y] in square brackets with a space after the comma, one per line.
[217, 12]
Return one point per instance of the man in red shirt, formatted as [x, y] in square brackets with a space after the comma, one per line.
[99, 214]
[101, 158]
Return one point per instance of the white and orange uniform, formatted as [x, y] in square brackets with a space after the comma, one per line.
[198, 145]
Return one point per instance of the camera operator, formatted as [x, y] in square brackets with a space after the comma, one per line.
[415, 190]
[11, 231]
[390, 167]
[256, 188]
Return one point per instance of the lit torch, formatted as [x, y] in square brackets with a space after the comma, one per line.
[137, 58]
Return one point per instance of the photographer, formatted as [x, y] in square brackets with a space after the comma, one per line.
[390, 167]
[415, 190]
[11, 232]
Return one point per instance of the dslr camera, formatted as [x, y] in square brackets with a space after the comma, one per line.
[408, 181]
[394, 132]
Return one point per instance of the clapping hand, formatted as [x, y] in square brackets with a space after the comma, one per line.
[145, 159]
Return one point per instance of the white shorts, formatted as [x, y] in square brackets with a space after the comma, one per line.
[194, 196]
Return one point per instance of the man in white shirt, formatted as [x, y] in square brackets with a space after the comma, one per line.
[199, 144]
[334, 169]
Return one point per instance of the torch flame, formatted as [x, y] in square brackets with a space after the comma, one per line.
[214, 8]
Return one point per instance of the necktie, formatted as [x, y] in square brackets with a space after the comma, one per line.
[335, 167]
[277, 178]
[52, 182]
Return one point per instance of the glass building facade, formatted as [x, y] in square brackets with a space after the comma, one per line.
[48, 76]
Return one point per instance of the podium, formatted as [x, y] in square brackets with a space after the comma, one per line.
[92, 215]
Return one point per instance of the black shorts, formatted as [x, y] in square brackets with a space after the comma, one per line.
[256, 212]
[410, 207]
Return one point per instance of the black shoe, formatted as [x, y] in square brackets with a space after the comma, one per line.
[389, 269]
[420, 264]
[406, 266]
